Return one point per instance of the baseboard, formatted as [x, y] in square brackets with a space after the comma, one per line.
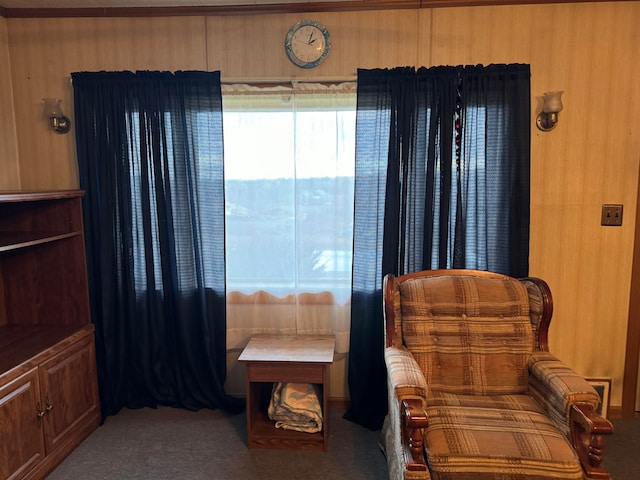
[339, 403]
[614, 411]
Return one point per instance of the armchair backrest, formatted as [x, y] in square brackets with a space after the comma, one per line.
[471, 332]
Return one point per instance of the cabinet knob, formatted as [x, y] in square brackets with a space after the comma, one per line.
[48, 406]
[40, 413]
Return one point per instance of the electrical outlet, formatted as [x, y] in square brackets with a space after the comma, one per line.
[611, 215]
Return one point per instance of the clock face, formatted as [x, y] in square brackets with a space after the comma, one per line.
[307, 44]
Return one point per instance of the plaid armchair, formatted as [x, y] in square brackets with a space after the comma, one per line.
[474, 393]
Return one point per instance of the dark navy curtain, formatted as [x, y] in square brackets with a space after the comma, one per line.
[442, 181]
[150, 157]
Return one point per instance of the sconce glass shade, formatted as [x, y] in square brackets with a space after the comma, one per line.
[52, 107]
[552, 102]
[547, 119]
[53, 113]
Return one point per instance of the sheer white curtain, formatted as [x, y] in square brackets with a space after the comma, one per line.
[289, 168]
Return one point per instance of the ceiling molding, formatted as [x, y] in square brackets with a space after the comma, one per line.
[273, 8]
[254, 9]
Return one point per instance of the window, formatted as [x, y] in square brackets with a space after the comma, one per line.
[289, 178]
[289, 167]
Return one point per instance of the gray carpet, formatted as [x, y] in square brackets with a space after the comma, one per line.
[622, 450]
[177, 444]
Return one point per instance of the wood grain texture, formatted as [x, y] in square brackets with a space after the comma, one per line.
[591, 158]
[258, 8]
[19, 423]
[631, 395]
[44, 53]
[285, 358]
[59, 383]
[253, 46]
[10, 177]
[47, 347]
[590, 50]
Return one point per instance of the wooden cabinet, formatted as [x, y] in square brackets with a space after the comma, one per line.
[48, 384]
[17, 409]
[68, 394]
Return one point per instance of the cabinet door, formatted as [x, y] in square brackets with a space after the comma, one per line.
[69, 393]
[22, 444]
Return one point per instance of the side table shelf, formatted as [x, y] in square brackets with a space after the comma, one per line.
[285, 358]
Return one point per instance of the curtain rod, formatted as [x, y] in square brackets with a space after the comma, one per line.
[279, 80]
[287, 80]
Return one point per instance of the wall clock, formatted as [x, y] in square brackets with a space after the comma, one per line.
[307, 44]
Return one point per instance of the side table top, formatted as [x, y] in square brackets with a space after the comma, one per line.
[289, 348]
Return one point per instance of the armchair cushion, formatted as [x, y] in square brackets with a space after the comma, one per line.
[503, 436]
[469, 335]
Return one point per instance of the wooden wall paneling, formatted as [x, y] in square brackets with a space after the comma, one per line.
[374, 39]
[631, 385]
[44, 52]
[601, 154]
[467, 36]
[425, 38]
[586, 161]
[246, 47]
[10, 177]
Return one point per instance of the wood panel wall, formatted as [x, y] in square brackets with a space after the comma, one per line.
[590, 159]
[589, 50]
[10, 177]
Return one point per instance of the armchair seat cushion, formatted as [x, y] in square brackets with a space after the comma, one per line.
[473, 437]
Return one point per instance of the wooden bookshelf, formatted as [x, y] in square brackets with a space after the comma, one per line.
[48, 383]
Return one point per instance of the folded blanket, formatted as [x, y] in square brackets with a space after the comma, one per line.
[295, 406]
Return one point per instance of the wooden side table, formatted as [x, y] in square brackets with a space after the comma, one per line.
[285, 358]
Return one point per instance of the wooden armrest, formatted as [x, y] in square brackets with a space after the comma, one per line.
[587, 429]
[414, 419]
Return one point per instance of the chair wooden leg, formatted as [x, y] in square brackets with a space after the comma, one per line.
[587, 430]
[414, 420]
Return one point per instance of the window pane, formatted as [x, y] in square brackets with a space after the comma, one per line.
[289, 171]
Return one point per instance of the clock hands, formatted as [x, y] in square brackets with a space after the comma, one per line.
[311, 39]
[310, 42]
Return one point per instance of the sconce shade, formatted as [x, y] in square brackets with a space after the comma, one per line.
[552, 102]
[53, 113]
[547, 119]
[52, 107]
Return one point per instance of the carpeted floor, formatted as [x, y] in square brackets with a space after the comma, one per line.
[622, 450]
[167, 443]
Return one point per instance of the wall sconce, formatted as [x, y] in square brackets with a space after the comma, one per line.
[551, 106]
[53, 113]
